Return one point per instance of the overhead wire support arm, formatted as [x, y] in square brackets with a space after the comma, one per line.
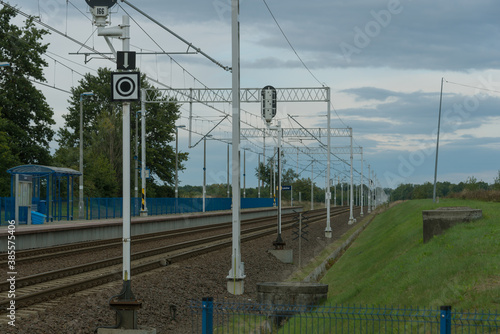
[190, 45]
[216, 125]
[137, 53]
[38, 21]
[323, 145]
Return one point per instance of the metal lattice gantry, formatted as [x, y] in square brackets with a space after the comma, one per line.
[322, 150]
[299, 133]
[224, 95]
[334, 150]
[209, 97]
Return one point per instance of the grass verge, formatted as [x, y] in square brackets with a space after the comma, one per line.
[389, 264]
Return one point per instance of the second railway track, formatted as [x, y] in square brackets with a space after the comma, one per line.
[45, 286]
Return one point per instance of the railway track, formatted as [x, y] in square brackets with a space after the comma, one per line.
[47, 286]
[46, 253]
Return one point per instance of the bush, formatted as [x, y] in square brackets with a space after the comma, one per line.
[480, 195]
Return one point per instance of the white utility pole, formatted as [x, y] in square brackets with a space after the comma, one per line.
[351, 197]
[244, 173]
[228, 191]
[328, 229]
[144, 208]
[235, 279]
[312, 186]
[335, 193]
[177, 159]
[136, 165]
[369, 191]
[362, 186]
[258, 177]
[437, 144]
[81, 206]
[279, 241]
[204, 171]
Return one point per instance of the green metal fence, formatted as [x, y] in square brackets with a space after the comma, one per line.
[212, 317]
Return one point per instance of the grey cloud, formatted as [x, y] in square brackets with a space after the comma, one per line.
[371, 93]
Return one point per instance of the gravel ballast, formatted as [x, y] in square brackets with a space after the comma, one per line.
[175, 285]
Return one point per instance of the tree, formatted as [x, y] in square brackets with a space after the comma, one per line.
[403, 192]
[304, 187]
[264, 171]
[423, 191]
[471, 184]
[102, 136]
[26, 118]
[496, 185]
[7, 160]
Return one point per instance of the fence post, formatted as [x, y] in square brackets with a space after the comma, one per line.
[207, 315]
[445, 326]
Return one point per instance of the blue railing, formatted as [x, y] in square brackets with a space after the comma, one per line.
[6, 209]
[104, 208]
[209, 316]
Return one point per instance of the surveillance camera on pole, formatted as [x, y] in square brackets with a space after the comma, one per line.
[268, 94]
[100, 10]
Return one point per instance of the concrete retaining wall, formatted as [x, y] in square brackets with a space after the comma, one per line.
[291, 293]
[320, 270]
[437, 221]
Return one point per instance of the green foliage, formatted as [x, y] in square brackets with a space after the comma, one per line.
[443, 189]
[102, 136]
[100, 177]
[496, 185]
[471, 183]
[219, 190]
[423, 191]
[264, 171]
[26, 118]
[7, 160]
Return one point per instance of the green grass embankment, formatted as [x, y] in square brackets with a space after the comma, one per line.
[388, 264]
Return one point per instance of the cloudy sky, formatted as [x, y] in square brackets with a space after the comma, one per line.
[382, 59]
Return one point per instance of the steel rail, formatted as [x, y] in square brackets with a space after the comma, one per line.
[87, 281]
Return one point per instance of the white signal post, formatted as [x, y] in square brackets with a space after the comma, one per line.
[122, 32]
[125, 303]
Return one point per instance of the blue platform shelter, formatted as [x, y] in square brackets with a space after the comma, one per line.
[30, 182]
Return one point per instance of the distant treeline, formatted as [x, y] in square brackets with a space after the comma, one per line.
[470, 189]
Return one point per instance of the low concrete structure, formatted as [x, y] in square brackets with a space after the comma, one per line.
[320, 270]
[284, 255]
[291, 293]
[437, 221]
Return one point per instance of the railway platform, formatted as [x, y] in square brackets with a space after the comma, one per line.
[65, 232]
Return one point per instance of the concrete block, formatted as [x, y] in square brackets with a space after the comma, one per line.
[284, 255]
[437, 221]
[291, 293]
[235, 287]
